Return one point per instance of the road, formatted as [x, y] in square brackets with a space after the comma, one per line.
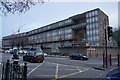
[61, 68]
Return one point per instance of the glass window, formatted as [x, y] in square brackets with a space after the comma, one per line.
[86, 14]
[93, 32]
[87, 20]
[90, 26]
[96, 18]
[97, 37]
[90, 20]
[94, 38]
[93, 25]
[97, 32]
[90, 14]
[88, 33]
[87, 27]
[97, 44]
[96, 12]
[96, 25]
[93, 13]
[91, 38]
[93, 19]
[88, 38]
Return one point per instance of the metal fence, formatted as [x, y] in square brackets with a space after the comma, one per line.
[12, 71]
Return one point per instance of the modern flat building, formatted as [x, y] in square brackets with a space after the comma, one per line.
[86, 29]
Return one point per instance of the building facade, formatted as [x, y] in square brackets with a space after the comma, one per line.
[86, 29]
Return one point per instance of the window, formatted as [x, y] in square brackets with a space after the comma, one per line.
[93, 13]
[88, 38]
[91, 38]
[94, 38]
[93, 19]
[96, 18]
[93, 32]
[97, 37]
[86, 14]
[96, 25]
[87, 20]
[90, 14]
[87, 27]
[97, 44]
[97, 32]
[90, 26]
[90, 20]
[96, 13]
[93, 25]
[88, 33]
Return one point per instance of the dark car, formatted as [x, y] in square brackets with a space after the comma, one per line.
[78, 56]
[114, 74]
[34, 56]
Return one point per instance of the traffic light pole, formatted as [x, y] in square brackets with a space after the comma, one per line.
[106, 47]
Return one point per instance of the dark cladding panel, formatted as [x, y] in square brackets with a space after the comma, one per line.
[79, 16]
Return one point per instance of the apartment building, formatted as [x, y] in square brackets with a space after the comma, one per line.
[86, 29]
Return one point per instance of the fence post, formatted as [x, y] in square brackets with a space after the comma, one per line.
[25, 71]
[7, 70]
[118, 60]
[110, 60]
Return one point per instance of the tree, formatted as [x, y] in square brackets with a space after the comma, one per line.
[116, 36]
[17, 6]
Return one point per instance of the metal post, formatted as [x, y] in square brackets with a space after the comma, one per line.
[103, 60]
[106, 46]
[110, 60]
[25, 71]
[7, 70]
[118, 60]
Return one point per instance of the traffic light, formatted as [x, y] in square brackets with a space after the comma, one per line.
[109, 32]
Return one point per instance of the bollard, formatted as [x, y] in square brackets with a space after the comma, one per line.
[110, 60]
[118, 60]
[7, 70]
[103, 61]
[25, 71]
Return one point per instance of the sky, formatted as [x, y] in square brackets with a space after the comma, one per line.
[52, 11]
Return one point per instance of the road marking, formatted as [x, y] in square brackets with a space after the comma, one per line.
[56, 75]
[45, 75]
[78, 69]
[65, 65]
[34, 69]
[69, 74]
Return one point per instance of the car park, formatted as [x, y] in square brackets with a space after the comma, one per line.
[78, 56]
[34, 55]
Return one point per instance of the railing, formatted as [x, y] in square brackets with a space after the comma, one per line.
[12, 71]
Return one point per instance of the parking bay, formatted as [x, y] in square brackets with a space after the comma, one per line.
[53, 70]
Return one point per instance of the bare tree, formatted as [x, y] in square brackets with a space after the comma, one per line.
[17, 6]
[116, 35]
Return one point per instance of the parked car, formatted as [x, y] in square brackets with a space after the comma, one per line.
[78, 56]
[34, 55]
[11, 51]
[114, 74]
[6, 51]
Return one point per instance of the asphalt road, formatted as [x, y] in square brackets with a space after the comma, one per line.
[61, 68]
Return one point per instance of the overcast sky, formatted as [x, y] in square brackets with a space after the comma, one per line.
[49, 12]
